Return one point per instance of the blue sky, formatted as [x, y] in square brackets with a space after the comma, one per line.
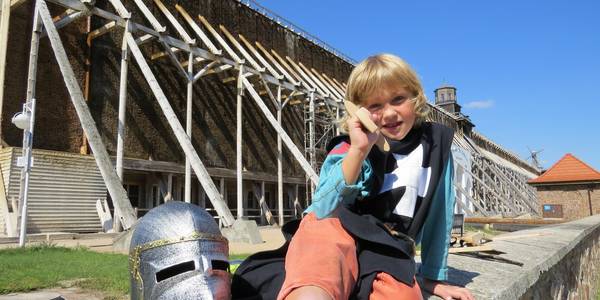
[527, 72]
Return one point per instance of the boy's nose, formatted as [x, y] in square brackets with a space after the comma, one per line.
[388, 112]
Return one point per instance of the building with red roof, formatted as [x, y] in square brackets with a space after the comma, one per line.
[570, 189]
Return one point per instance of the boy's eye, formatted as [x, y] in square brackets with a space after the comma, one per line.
[374, 107]
[398, 100]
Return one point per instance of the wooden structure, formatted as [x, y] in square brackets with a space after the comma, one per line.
[159, 33]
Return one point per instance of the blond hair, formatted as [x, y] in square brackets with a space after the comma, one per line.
[384, 71]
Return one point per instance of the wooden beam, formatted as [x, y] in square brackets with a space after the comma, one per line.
[322, 88]
[238, 143]
[285, 138]
[4, 24]
[173, 58]
[106, 28]
[243, 51]
[151, 34]
[333, 84]
[150, 17]
[290, 70]
[154, 166]
[220, 40]
[305, 77]
[264, 207]
[111, 179]
[14, 3]
[260, 58]
[276, 64]
[326, 83]
[198, 31]
[184, 141]
[186, 37]
[120, 8]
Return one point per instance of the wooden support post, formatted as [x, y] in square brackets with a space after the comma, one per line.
[184, 141]
[297, 207]
[279, 159]
[111, 179]
[285, 138]
[122, 103]
[169, 195]
[238, 143]
[4, 24]
[201, 196]
[265, 211]
[188, 126]
[311, 135]
[223, 188]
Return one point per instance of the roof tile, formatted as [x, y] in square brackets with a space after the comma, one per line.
[568, 169]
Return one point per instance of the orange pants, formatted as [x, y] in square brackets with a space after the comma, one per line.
[323, 254]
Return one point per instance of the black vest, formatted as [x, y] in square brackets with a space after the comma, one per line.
[385, 241]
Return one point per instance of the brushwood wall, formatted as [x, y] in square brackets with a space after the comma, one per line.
[148, 134]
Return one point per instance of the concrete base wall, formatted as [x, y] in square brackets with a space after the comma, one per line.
[559, 262]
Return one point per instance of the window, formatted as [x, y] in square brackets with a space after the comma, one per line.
[133, 193]
[552, 211]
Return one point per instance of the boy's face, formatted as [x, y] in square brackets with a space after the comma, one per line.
[393, 110]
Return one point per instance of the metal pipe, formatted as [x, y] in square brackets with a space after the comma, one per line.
[28, 149]
[28, 134]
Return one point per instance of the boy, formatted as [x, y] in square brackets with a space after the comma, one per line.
[370, 206]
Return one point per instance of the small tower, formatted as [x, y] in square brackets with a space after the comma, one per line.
[445, 97]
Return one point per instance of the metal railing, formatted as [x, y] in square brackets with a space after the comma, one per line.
[252, 4]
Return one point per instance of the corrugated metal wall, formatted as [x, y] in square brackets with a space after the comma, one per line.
[5, 159]
[63, 190]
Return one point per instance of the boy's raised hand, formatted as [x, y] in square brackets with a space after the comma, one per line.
[360, 138]
[361, 142]
[367, 122]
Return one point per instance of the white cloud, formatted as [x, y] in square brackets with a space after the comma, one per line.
[480, 104]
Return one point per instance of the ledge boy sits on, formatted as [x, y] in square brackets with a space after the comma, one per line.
[369, 207]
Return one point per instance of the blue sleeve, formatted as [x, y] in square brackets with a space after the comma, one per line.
[333, 190]
[435, 235]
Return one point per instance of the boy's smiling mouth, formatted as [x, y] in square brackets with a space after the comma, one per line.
[392, 125]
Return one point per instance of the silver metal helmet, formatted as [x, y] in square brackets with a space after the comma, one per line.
[178, 252]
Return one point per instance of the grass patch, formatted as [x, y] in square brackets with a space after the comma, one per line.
[238, 258]
[45, 266]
